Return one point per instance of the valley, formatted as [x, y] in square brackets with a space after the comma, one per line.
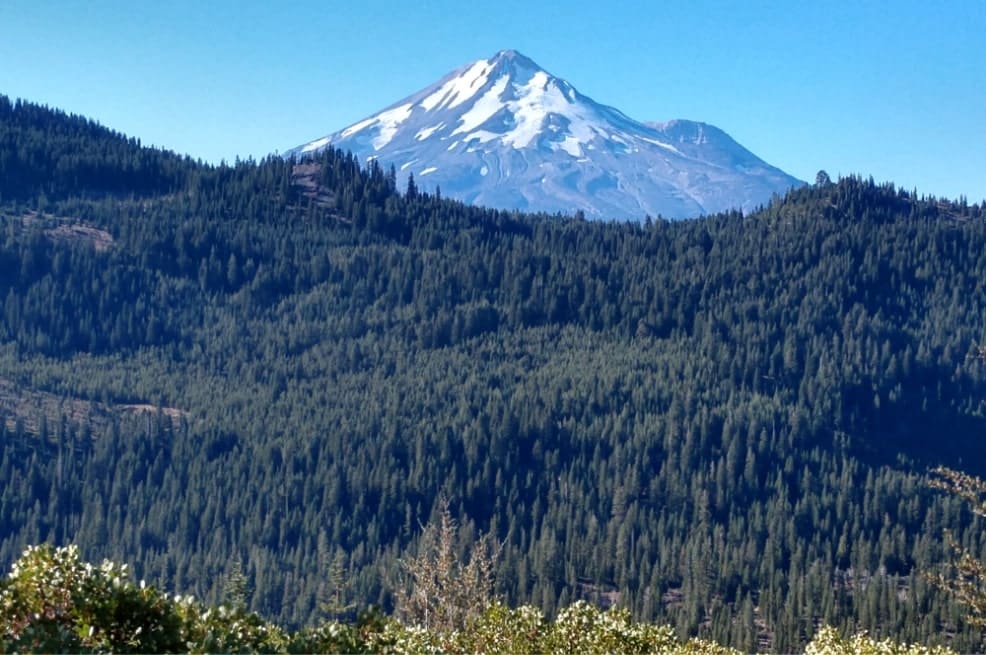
[726, 424]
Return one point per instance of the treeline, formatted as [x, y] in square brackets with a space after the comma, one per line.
[47, 154]
[723, 423]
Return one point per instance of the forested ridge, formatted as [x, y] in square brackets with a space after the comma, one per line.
[722, 423]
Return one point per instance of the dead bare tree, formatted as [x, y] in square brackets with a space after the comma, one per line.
[440, 590]
[965, 576]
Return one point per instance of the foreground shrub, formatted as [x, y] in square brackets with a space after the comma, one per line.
[54, 602]
[828, 642]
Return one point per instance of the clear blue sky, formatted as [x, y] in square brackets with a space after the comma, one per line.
[896, 90]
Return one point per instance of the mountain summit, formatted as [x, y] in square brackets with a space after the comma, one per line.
[503, 132]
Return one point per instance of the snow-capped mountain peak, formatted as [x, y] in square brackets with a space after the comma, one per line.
[504, 132]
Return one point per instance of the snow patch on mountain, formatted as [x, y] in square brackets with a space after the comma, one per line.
[484, 108]
[459, 89]
[428, 131]
[505, 133]
[318, 144]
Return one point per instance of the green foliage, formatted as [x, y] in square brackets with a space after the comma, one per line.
[372, 633]
[828, 642]
[501, 629]
[236, 588]
[582, 628]
[722, 424]
[230, 630]
[53, 602]
[51, 155]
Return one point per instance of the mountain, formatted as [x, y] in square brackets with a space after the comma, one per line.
[504, 133]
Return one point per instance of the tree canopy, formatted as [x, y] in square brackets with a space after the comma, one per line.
[721, 424]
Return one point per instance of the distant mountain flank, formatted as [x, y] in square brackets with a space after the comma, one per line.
[504, 133]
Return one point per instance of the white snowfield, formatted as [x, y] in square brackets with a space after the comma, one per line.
[504, 133]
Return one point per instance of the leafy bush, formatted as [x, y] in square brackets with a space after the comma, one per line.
[54, 602]
[828, 642]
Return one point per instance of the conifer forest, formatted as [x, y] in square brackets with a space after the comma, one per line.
[280, 371]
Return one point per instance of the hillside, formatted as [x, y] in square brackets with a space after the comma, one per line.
[723, 423]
